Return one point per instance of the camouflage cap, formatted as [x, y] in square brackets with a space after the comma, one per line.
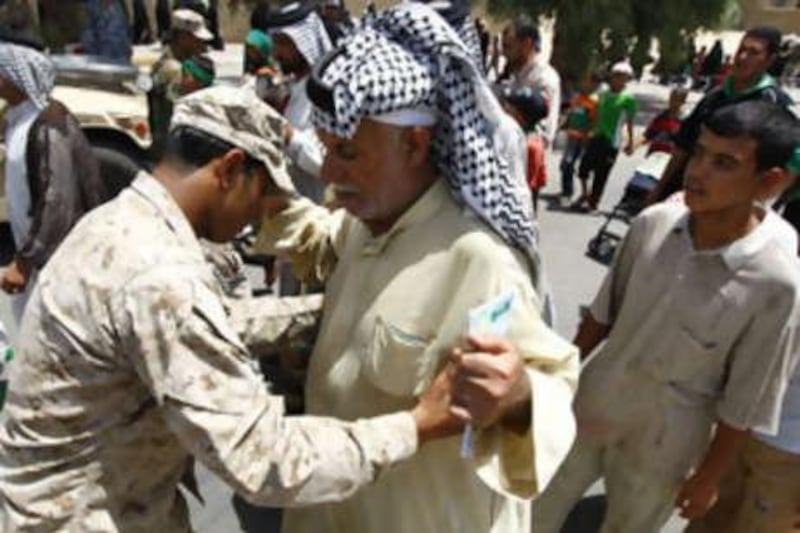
[191, 22]
[237, 116]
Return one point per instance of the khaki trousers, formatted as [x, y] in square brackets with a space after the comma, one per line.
[759, 495]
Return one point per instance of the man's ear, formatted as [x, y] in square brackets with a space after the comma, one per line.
[417, 142]
[228, 168]
[774, 181]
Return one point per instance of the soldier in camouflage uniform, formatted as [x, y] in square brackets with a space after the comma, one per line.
[135, 360]
[188, 37]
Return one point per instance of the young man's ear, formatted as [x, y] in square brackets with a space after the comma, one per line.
[774, 181]
[228, 168]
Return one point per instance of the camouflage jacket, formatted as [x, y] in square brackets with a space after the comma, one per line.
[132, 360]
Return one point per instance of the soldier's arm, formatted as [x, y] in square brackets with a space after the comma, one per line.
[267, 323]
[181, 344]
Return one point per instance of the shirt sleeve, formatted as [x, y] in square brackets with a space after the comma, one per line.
[57, 165]
[266, 323]
[510, 463]
[552, 87]
[180, 341]
[631, 107]
[522, 464]
[311, 236]
[761, 365]
[609, 298]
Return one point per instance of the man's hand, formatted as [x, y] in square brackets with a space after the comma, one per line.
[288, 133]
[697, 495]
[15, 277]
[629, 149]
[491, 385]
[433, 414]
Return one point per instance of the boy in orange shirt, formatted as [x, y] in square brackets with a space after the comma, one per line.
[578, 123]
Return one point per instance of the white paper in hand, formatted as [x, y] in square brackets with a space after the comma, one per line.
[489, 319]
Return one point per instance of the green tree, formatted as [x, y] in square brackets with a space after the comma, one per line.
[593, 33]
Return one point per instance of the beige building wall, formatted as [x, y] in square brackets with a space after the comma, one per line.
[783, 14]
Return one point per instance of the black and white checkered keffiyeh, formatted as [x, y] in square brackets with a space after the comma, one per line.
[408, 57]
[457, 14]
[30, 70]
[309, 36]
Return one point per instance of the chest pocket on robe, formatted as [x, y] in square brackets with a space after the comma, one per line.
[398, 361]
[695, 364]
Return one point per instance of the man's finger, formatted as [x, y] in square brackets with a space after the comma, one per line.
[489, 344]
[483, 365]
[461, 414]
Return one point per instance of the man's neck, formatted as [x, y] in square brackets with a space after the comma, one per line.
[522, 66]
[721, 228]
[379, 227]
[742, 84]
[182, 188]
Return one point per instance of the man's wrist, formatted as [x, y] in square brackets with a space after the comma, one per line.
[518, 416]
[22, 265]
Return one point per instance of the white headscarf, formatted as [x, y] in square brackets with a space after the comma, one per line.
[309, 36]
[30, 70]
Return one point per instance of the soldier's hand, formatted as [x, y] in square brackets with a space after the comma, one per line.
[432, 414]
[491, 384]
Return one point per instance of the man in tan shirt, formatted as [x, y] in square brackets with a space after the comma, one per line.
[132, 360]
[430, 229]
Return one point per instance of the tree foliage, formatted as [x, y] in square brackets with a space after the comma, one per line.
[591, 33]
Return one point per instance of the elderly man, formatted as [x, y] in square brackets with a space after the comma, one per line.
[134, 360]
[431, 230]
[51, 175]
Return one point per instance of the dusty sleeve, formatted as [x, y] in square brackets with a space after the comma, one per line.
[269, 322]
[609, 298]
[184, 349]
[761, 365]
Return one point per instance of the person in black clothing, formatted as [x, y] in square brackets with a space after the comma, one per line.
[259, 17]
[142, 33]
[748, 81]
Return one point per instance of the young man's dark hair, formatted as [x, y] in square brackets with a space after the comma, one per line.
[771, 125]
[197, 148]
[526, 28]
[772, 36]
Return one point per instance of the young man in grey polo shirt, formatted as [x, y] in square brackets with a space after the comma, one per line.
[700, 311]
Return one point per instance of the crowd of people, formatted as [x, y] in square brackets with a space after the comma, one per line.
[393, 171]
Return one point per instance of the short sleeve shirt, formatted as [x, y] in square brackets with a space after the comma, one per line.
[613, 110]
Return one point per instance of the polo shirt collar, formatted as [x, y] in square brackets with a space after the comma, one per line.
[764, 82]
[422, 210]
[736, 254]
